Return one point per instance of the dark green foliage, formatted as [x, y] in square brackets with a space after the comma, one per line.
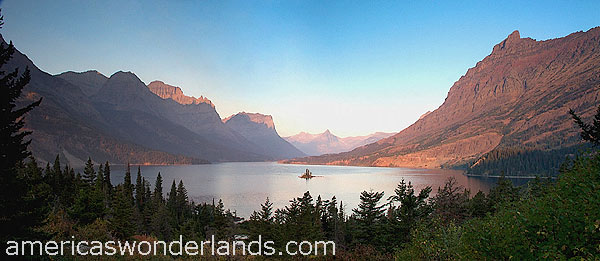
[502, 194]
[522, 162]
[16, 196]
[406, 209]
[562, 223]
[89, 173]
[128, 186]
[88, 206]
[158, 190]
[122, 213]
[369, 218]
[139, 190]
[589, 132]
[451, 202]
[478, 205]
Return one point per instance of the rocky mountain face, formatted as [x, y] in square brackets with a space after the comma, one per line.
[260, 130]
[119, 119]
[518, 96]
[327, 143]
[175, 93]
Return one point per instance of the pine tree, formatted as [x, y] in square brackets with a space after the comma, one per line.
[369, 217]
[589, 132]
[158, 190]
[122, 212]
[266, 211]
[107, 183]
[139, 190]
[107, 187]
[172, 204]
[127, 186]
[56, 178]
[160, 225]
[89, 174]
[182, 201]
[13, 188]
[451, 202]
[99, 182]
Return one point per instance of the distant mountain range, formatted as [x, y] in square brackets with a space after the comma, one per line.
[326, 142]
[120, 119]
[516, 97]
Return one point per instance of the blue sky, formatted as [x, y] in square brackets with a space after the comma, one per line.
[353, 67]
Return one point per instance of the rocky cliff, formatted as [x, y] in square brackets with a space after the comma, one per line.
[175, 93]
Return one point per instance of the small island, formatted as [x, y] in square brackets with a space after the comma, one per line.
[307, 175]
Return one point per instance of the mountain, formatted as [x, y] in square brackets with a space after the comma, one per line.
[516, 97]
[260, 130]
[120, 119]
[89, 82]
[67, 124]
[164, 124]
[326, 142]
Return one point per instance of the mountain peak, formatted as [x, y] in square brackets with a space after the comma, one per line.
[124, 76]
[175, 93]
[253, 117]
[89, 81]
[512, 40]
[514, 35]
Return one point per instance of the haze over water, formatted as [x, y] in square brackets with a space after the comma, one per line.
[243, 186]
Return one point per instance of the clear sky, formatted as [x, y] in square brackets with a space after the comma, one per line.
[354, 67]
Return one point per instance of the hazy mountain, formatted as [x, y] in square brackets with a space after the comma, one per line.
[260, 130]
[67, 124]
[518, 96]
[144, 118]
[326, 142]
[121, 120]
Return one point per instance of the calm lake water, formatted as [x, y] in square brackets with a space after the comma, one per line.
[243, 186]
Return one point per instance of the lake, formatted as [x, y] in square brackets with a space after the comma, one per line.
[243, 186]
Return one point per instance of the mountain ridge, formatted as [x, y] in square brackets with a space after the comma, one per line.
[326, 142]
[518, 95]
[119, 119]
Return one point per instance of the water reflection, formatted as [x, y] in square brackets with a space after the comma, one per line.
[243, 186]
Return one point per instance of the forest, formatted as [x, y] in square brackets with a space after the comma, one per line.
[523, 161]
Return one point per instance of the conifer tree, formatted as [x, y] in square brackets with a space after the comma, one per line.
[107, 182]
[89, 174]
[13, 188]
[57, 175]
[589, 132]
[451, 202]
[99, 182]
[107, 187]
[182, 201]
[127, 186]
[139, 190]
[122, 212]
[172, 204]
[369, 217]
[158, 190]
